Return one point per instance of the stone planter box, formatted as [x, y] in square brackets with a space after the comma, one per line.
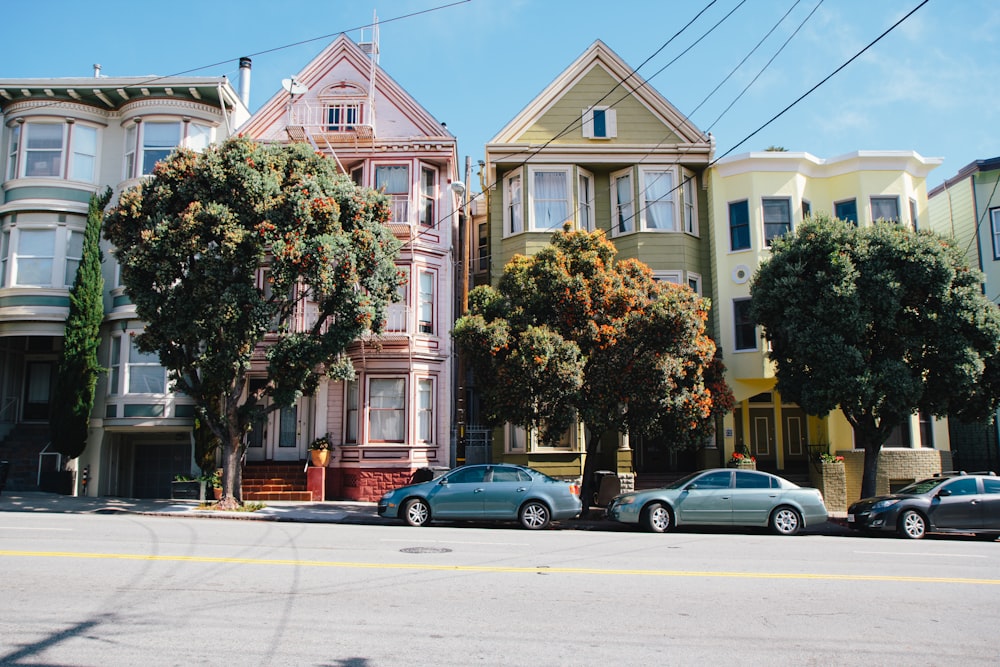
[831, 479]
[192, 490]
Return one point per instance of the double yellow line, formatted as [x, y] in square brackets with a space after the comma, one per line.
[503, 569]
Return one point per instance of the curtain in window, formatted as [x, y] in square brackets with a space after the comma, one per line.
[623, 191]
[288, 426]
[550, 200]
[425, 411]
[395, 178]
[660, 200]
[885, 208]
[43, 149]
[514, 210]
[386, 411]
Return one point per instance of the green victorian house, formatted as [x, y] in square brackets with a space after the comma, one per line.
[600, 149]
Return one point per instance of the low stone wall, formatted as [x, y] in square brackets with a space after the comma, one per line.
[896, 467]
[831, 479]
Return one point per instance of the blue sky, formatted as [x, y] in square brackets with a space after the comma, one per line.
[931, 85]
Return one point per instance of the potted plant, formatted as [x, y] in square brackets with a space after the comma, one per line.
[214, 480]
[319, 451]
[741, 460]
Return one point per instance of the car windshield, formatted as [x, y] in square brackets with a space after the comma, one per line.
[683, 480]
[924, 485]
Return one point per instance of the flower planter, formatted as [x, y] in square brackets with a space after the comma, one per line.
[187, 490]
[743, 465]
[320, 457]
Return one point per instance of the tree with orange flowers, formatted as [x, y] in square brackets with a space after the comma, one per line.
[570, 335]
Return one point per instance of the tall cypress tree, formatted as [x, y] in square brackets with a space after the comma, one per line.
[76, 383]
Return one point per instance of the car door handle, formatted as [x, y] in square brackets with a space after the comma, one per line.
[479, 490]
[522, 489]
[724, 498]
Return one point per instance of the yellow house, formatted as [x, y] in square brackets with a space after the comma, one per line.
[754, 198]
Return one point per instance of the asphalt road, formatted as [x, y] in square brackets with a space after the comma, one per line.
[154, 590]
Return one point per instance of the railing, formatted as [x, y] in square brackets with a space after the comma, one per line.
[42, 455]
[315, 117]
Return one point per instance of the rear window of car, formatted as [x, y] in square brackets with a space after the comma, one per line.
[752, 480]
[991, 485]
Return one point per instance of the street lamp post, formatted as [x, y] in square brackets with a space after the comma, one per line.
[458, 187]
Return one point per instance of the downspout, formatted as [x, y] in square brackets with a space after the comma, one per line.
[222, 107]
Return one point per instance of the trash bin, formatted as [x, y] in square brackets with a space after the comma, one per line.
[607, 486]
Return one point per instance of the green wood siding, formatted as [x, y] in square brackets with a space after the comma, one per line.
[636, 125]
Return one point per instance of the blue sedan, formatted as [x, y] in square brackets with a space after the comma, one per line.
[497, 492]
[723, 497]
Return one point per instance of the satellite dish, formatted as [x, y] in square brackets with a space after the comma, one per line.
[293, 87]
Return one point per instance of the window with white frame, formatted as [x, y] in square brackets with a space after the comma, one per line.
[739, 225]
[668, 276]
[777, 217]
[386, 409]
[198, 137]
[513, 212]
[159, 139]
[35, 257]
[43, 149]
[343, 116]
[74, 253]
[351, 402]
[425, 410]
[150, 141]
[550, 198]
[144, 373]
[743, 326]
[690, 210]
[396, 313]
[4, 250]
[622, 207]
[12, 151]
[83, 165]
[483, 246]
[425, 302]
[131, 146]
[428, 195]
[694, 282]
[115, 366]
[515, 438]
[394, 181]
[599, 123]
[885, 208]
[807, 209]
[656, 197]
[995, 228]
[585, 199]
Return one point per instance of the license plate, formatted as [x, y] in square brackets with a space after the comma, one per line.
[850, 518]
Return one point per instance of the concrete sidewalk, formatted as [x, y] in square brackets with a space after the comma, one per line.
[335, 511]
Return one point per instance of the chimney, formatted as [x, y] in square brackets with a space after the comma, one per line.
[245, 81]
[97, 71]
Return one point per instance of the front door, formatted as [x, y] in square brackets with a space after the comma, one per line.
[795, 437]
[275, 435]
[37, 390]
[762, 436]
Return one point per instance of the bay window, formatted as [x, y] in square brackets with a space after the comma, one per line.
[387, 409]
[43, 150]
[159, 139]
[689, 210]
[744, 329]
[428, 195]
[74, 253]
[550, 200]
[425, 410]
[15, 139]
[53, 150]
[83, 164]
[150, 141]
[846, 210]
[351, 411]
[425, 302]
[513, 213]
[35, 256]
[885, 208]
[622, 202]
[777, 217]
[585, 196]
[145, 374]
[657, 200]
[394, 181]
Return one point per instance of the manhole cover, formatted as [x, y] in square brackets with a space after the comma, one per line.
[425, 550]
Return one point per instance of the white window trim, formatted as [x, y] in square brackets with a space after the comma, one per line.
[672, 197]
[695, 278]
[397, 313]
[764, 223]
[352, 413]
[368, 408]
[517, 174]
[512, 433]
[57, 277]
[871, 207]
[423, 271]
[995, 231]
[422, 198]
[689, 201]
[674, 276]
[583, 174]
[127, 365]
[567, 173]
[630, 221]
[431, 410]
[406, 216]
[610, 123]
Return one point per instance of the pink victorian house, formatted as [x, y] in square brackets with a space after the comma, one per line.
[396, 416]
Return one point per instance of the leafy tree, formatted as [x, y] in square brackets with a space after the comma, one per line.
[243, 242]
[881, 322]
[76, 381]
[570, 334]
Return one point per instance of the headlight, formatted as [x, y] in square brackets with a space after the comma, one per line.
[883, 504]
[625, 500]
[388, 494]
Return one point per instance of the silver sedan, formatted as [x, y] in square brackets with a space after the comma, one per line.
[722, 497]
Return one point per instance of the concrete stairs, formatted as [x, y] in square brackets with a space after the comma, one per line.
[275, 481]
[20, 449]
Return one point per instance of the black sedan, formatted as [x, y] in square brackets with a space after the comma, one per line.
[952, 502]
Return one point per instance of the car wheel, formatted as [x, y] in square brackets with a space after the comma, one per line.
[657, 518]
[912, 525]
[786, 521]
[535, 515]
[416, 512]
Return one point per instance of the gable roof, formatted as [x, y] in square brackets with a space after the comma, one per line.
[270, 120]
[630, 83]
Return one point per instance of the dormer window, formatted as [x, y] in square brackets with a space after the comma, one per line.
[600, 123]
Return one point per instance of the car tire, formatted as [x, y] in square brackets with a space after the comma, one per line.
[535, 515]
[912, 525]
[786, 520]
[657, 518]
[416, 512]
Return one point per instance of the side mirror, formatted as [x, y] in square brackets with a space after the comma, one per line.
[943, 493]
[443, 481]
[692, 486]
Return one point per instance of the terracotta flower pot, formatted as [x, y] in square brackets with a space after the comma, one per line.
[320, 457]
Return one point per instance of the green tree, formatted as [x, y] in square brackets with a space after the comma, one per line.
[76, 380]
[221, 249]
[881, 322]
[569, 335]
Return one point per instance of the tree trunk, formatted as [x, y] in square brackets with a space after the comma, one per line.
[872, 447]
[587, 486]
[232, 474]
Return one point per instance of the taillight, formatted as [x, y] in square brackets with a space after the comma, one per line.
[574, 489]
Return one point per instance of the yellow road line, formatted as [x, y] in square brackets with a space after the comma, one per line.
[498, 569]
